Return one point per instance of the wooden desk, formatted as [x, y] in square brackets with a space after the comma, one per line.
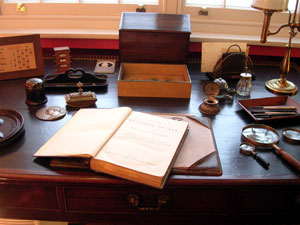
[245, 193]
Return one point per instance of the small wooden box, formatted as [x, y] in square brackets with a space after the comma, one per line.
[154, 80]
[154, 53]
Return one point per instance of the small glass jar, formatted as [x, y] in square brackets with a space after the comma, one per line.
[244, 86]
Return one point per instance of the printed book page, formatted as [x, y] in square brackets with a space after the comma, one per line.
[198, 144]
[144, 143]
[85, 133]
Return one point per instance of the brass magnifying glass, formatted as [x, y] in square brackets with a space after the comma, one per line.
[249, 149]
[263, 136]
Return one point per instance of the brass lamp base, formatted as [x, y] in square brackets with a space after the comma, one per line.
[285, 88]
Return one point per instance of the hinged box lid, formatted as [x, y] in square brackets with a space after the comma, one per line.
[154, 37]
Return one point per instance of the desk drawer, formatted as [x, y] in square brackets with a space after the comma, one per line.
[270, 200]
[148, 200]
[24, 195]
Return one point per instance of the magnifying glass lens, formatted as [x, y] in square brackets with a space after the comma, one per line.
[291, 135]
[260, 135]
[295, 135]
[247, 147]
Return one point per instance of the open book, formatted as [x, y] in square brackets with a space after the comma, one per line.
[132, 145]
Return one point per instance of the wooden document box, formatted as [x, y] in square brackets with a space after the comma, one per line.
[154, 53]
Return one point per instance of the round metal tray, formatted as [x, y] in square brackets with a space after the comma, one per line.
[12, 126]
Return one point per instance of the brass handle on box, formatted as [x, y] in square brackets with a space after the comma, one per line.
[162, 201]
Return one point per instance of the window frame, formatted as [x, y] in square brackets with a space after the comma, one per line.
[74, 9]
[221, 24]
[231, 24]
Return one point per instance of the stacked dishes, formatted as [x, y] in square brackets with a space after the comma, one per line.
[11, 126]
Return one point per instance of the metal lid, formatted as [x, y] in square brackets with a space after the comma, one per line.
[34, 83]
[211, 89]
[246, 76]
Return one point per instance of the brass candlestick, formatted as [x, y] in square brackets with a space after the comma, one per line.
[281, 85]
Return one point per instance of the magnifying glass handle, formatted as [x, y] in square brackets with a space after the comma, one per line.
[289, 158]
[261, 161]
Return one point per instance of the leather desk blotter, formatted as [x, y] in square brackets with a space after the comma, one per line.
[199, 154]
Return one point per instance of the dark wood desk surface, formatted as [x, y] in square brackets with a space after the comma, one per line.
[30, 189]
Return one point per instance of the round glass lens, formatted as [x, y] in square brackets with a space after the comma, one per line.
[247, 147]
[260, 135]
[292, 134]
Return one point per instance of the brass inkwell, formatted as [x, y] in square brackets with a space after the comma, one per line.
[80, 99]
[210, 105]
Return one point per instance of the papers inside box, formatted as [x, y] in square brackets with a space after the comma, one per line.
[154, 80]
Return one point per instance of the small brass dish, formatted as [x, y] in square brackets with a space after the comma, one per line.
[291, 135]
[51, 113]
